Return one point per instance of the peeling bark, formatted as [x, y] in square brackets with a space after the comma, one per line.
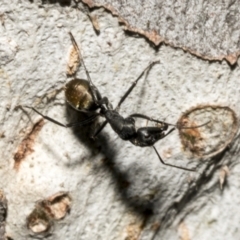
[207, 29]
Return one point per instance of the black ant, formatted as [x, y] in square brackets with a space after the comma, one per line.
[84, 96]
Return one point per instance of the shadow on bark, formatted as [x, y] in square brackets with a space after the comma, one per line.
[192, 193]
[140, 205]
[62, 3]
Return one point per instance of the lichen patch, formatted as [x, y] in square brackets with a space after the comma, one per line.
[57, 205]
[46, 211]
[218, 126]
[39, 221]
[74, 60]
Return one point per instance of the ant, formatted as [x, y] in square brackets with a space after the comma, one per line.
[85, 97]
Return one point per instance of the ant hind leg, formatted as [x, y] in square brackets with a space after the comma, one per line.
[134, 84]
[74, 124]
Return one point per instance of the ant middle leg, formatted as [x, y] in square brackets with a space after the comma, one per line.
[126, 95]
[103, 125]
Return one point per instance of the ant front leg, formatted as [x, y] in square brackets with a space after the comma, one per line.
[94, 90]
[147, 136]
[170, 165]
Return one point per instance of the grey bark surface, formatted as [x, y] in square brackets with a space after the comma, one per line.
[209, 29]
[118, 191]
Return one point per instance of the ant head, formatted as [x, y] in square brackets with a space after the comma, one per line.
[147, 136]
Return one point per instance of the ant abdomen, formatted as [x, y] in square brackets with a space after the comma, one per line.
[78, 95]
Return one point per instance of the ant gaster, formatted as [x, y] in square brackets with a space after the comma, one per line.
[84, 96]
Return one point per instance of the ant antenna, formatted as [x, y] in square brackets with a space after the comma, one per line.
[137, 115]
[198, 126]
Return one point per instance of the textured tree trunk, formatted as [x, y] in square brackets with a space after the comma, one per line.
[57, 183]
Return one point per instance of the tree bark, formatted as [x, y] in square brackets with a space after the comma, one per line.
[60, 184]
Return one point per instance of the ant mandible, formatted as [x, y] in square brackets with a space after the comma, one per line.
[78, 90]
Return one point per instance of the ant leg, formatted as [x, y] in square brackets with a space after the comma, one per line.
[99, 129]
[171, 130]
[95, 93]
[81, 58]
[170, 165]
[88, 120]
[134, 84]
[84, 122]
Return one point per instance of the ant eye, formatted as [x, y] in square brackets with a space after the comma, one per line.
[147, 136]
